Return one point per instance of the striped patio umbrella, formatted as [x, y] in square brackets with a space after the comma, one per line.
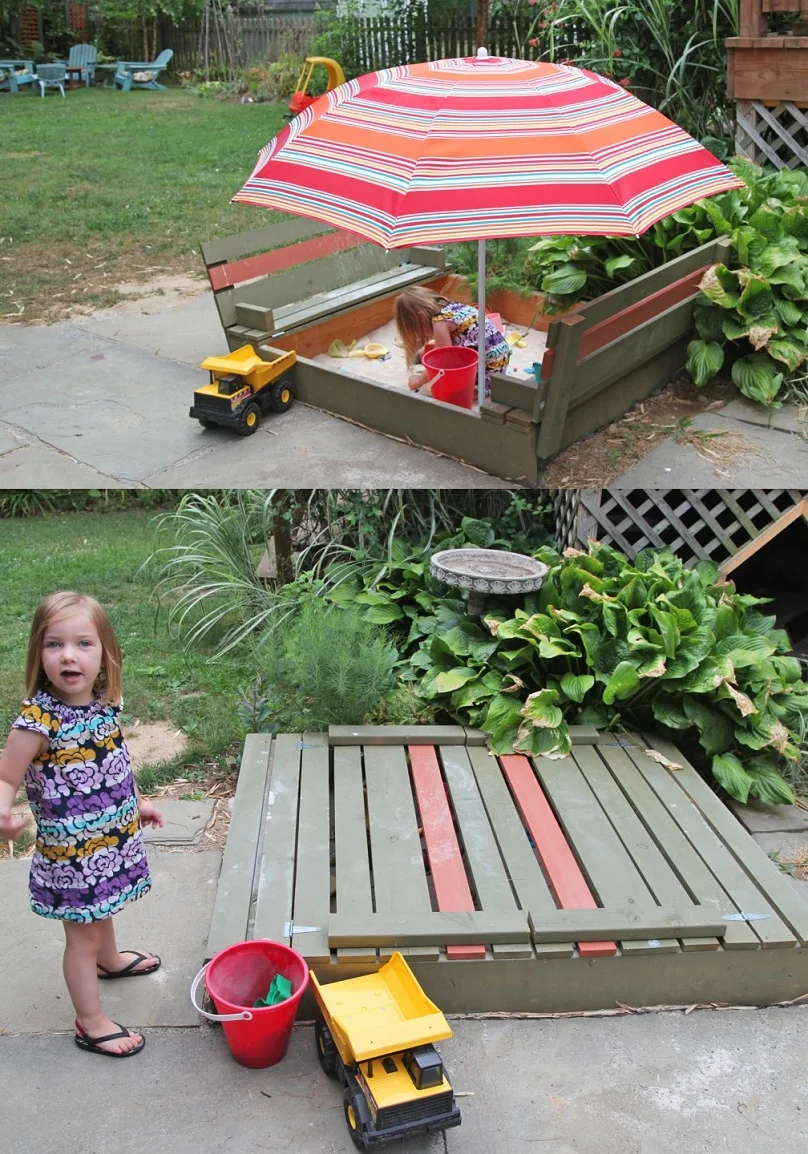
[467, 149]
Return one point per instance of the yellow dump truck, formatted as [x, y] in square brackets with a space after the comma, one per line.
[242, 387]
[376, 1034]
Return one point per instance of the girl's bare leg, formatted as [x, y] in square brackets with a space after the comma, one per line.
[108, 954]
[82, 945]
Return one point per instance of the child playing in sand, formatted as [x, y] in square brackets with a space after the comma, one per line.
[424, 318]
[89, 859]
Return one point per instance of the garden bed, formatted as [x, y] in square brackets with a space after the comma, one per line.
[614, 875]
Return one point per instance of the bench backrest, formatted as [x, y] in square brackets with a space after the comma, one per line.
[282, 264]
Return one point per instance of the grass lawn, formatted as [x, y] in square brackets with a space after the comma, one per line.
[105, 188]
[102, 554]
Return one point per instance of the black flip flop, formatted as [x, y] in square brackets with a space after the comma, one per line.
[129, 971]
[93, 1045]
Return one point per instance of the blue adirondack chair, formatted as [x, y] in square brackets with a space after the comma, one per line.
[51, 76]
[131, 74]
[15, 73]
[83, 56]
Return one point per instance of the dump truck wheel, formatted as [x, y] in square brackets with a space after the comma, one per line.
[249, 420]
[281, 396]
[353, 1121]
[326, 1049]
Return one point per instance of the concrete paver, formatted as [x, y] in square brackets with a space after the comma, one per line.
[653, 1084]
[760, 818]
[184, 822]
[173, 920]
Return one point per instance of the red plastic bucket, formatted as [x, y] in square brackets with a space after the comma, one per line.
[452, 372]
[236, 978]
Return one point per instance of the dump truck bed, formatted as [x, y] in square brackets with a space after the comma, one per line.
[380, 1013]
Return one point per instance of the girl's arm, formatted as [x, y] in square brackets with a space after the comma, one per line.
[22, 747]
[148, 811]
[443, 333]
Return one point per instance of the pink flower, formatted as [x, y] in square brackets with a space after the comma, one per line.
[617, 52]
[625, 82]
[533, 43]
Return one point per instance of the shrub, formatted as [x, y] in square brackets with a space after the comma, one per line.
[273, 82]
[328, 668]
[645, 645]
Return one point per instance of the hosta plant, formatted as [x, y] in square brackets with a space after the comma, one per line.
[647, 645]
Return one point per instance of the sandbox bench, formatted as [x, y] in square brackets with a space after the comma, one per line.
[263, 291]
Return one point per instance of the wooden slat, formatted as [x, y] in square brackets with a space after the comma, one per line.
[696, 878]
[257, 239]
[312, 900]
[759, 868]
[445, 861]
[310, 286]
[560, 867]
[763, 538]
[313, 308]
[483, 860]
[600, 853]
[637, 837]
[532, 891]
[353, 894]
[264, 264]
[771, 931]
[231, 909]
[627, 924]
[400, 930]
[276, 864]
[399, 877]
[397, 735]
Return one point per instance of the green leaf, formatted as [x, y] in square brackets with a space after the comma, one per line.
[502, 721]
[541, 710]
[704, 359]
[707, 318]
[468, 640]
[766, 222]
[713, 286]
[479, 532]
[622, 683]
[788, 352]
[577, 685]
[670, 714]
[757, 299]
[535, 742]
[716, 731]
[617, 262]
[383, 614]
[568, 278]
[732, 777]
[768, 784]
[789, 312]
[757, 377]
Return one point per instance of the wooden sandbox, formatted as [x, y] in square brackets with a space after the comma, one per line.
[510, 883]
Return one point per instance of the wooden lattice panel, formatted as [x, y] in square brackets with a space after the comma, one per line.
[777, 136]
[696, 524]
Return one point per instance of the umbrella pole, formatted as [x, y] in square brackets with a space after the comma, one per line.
[481, 321]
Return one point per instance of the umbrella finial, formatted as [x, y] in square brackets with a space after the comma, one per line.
[482, 53]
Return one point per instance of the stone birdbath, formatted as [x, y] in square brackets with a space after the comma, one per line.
[486, 571]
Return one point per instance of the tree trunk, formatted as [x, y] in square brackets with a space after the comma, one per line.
[482, 23]
[144, 31]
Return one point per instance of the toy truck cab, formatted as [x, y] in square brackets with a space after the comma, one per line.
[242, 387]
[376, 1034]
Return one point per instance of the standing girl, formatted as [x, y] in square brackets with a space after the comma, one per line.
[424, 318]
[89, 859]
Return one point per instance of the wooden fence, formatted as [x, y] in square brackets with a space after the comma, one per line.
[363, 44]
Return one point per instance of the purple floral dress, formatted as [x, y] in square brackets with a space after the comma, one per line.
[89, 859]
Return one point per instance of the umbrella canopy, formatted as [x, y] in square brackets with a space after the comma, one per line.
[466, 149]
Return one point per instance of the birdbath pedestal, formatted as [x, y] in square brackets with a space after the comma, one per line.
[486, 571]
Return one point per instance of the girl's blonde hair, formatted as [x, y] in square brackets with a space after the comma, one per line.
[413, 313]
[108, 683]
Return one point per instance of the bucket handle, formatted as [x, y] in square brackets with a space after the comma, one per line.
[244, 1016]
[439, 373]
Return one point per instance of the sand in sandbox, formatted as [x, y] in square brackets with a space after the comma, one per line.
[393, 370]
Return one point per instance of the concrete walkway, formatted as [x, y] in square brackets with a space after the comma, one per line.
[103, 401]
[648, 1083]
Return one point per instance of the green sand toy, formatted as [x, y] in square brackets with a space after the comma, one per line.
[279, 991]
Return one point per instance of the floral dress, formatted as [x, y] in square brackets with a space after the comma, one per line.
[465, 319]
[90, 859]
